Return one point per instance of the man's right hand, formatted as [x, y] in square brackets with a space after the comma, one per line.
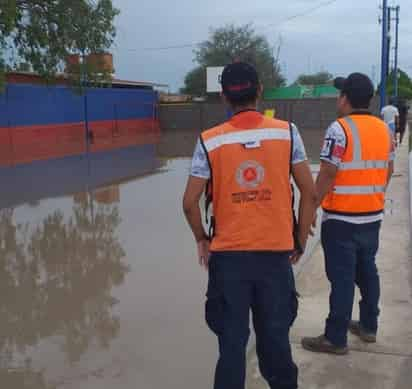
[203, 253]
[312, 231]
[295, 257]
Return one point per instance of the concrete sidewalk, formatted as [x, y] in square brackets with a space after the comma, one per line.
[387, 364]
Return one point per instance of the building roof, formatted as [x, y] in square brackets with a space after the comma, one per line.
[61, 79]
[117, 82]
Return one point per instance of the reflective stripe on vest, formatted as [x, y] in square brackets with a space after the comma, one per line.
[366, 190]
[250, 158]
[364, 165]
[361, 179]
[246, 136]
[358, 163]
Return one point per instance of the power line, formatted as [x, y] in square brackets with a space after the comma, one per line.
[304, 13]
[288, 19]
[173, 47]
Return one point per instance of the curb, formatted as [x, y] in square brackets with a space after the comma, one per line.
[410, 172]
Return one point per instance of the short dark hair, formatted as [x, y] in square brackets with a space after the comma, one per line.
[246, 99]
[240, 84]
[358, 102]
[358, 89]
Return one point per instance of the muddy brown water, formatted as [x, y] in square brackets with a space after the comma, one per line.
[99, 285]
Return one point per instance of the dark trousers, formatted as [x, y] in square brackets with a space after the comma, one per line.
[262, 283]
[402, 129]
[350, 252]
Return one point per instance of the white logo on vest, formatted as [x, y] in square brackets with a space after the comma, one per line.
[250, 174]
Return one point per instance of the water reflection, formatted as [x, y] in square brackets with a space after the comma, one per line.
[60, 260]
[24, 378]
[30, 183]
[56, 279]
[95, 254]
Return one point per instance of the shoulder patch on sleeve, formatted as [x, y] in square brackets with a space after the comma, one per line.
[328, 147]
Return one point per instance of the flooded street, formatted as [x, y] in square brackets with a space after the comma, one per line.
[99, 283]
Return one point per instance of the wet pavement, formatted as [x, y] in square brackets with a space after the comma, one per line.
[99, 284]
[386, 364]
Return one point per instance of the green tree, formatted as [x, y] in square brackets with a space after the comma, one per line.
[404, 85]
[229, 44]
[195, 81]
[43, 33]
[319, 78]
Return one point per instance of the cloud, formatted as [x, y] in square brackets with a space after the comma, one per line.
[341, 38]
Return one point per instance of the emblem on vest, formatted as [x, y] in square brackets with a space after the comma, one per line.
[250, 174]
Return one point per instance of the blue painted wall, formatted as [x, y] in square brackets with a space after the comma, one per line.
[26, 105]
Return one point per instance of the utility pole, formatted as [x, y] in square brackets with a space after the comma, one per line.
[389, 37]
[385, 49]
[396, 70]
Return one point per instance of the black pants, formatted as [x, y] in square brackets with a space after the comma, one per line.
[264, 284]
[402, 129]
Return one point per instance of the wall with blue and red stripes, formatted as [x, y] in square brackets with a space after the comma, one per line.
[40, 122]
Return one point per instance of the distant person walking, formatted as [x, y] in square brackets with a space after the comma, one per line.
[390, 115]
[248, 162]
[356, 166]
[403, 109]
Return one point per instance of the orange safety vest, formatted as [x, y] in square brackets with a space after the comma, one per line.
[250, 159]
[362, 176]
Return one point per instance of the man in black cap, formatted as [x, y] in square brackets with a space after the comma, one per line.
[248, 162]
[356, 167]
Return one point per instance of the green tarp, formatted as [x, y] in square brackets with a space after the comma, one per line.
[300, 92]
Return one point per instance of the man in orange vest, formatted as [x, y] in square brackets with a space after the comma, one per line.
[356, 167]
[248, 162]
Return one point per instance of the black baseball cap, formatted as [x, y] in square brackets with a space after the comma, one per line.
[240, 81]
[357, 87]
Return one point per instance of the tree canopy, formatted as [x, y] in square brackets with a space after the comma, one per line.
[228, 44]
[319, 78]
[43, 33]
[404, 85]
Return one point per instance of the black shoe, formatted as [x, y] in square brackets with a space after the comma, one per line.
[322, 345]
[356, 329]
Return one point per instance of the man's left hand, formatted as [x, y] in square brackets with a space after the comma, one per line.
[297, 254]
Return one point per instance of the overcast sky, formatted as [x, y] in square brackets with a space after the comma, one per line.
[341, 38]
